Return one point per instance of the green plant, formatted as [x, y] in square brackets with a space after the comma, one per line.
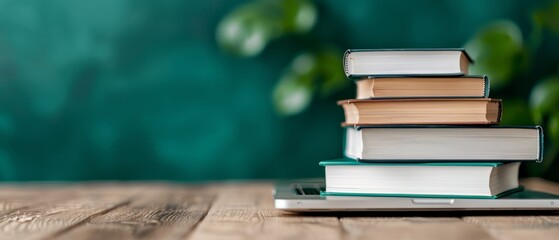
[509, 60]
[314, 70]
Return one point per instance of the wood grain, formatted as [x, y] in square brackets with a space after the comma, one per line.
[17, 197]
[159, 212]
[521, 226]
[46, 216]
[518, 227]
[411, 228]
[246, 211]
[230, 211]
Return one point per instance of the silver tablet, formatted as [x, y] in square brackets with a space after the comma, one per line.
[304, 196]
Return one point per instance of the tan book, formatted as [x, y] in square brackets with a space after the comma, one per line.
[421, 111]
[399, 87]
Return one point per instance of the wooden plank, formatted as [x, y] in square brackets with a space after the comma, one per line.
[74, 205]
[539, 184]
[240, 211]
[17, 197]
[518, 227]
[246, 211]
[509, 226]
[411, 228]
[161, 211]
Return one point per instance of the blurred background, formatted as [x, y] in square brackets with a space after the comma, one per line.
[222, 89]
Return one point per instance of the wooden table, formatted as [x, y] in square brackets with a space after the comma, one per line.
[116, 210]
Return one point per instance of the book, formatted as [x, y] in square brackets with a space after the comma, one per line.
[410, 87]
[454, 180]
[444, 144]
[421, 111]
[406, 62]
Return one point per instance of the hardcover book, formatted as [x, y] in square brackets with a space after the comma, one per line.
[444, 144]
[360, 63]
[422, 87]
[453, 180]
[421, 111]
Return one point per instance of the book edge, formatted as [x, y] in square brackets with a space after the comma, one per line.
[500, 195]
[463, 50]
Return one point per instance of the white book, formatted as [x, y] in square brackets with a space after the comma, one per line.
[427, 179]
[444, 143]
[405, 62]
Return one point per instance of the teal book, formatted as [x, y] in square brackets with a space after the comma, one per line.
[363, 63]
[345, 177]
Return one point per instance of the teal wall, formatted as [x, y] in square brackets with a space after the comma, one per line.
[138, 89]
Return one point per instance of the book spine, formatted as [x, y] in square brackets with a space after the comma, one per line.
[346, 63]
[541, 145]
[500, 112]
[486, 87]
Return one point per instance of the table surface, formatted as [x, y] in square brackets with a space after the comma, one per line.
[159, 210]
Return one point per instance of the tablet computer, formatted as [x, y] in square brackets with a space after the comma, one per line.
[304, 196]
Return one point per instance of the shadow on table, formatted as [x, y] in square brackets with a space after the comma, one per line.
[434, 214]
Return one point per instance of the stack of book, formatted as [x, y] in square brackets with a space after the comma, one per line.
[421, 127]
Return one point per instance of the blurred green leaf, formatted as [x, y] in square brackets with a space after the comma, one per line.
[248, 30]
[497, 50]
[553, 128]
[516, 112]
[292, 95]
[308, 72]
[330, 68]
[294, 91]
[548, 17]
[299, 16]
[304, 65]
[544, 98]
